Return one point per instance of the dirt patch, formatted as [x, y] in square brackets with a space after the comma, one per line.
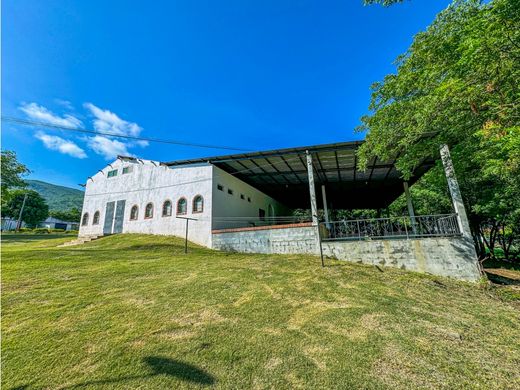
[273, 362]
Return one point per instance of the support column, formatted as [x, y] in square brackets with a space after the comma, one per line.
[456, 197]
[411, 211]
[312, 191]
[409, 203]
[325, 208]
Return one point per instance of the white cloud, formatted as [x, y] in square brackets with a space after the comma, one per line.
[108, 148]
[108, 121]
[65, 103]
[64, 146]
[35, 111]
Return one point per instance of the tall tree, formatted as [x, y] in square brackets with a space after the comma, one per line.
[12, 173]
[35, 209]
[458, 84]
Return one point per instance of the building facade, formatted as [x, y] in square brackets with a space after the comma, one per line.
[142, 196]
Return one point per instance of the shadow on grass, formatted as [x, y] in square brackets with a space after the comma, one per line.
[160, 366]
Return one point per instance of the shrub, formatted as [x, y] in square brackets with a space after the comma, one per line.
[72, 232]
[41, 231]
[57, 230]
[25, 230]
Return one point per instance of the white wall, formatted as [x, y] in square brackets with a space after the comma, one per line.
[150, 183]
[226, 205]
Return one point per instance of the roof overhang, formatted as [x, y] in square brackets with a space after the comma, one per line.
[282, 174]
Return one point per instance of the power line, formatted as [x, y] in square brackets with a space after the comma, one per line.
[26, 122]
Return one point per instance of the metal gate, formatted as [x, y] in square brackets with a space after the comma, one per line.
[109, 218]
[119, 217]
[114, 217]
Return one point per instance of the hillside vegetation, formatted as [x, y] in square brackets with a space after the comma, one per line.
[58, 198]
[133, 311]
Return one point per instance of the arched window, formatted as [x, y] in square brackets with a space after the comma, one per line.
[134, 213]
[84, 220]
[167, 209]
[182, 206]
[198, 204]
[148, 211]
[95, 220]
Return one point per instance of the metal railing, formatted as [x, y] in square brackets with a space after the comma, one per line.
[444, 225]
[235, 222]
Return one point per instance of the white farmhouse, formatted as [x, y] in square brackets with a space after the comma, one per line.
[244, 202]
[140, 196]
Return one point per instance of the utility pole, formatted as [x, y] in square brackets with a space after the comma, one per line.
[19, 223]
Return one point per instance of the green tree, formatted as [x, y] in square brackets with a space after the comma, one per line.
[35, 209]
[458, 84]
[72, 215]
[12, 172]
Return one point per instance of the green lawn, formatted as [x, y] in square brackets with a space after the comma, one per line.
[135, 312]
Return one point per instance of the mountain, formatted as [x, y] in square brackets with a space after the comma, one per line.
[58, 198]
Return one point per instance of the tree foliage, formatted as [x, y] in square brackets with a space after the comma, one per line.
[34, 211]
[458, 85]
[12, 173]
[72, 215]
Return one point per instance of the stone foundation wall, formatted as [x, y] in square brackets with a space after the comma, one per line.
[444, 256]
[299, 238]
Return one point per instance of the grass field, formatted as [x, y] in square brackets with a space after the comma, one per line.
[135, 312]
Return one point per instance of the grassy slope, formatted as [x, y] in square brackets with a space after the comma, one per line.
[135, 312]
[58, 197]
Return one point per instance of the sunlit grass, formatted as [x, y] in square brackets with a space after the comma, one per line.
[134, 311]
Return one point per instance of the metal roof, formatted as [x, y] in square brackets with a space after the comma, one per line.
[282, 174]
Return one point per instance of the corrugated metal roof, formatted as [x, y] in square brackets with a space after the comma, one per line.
[282, 174]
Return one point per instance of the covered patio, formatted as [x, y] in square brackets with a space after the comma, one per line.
[326, 177]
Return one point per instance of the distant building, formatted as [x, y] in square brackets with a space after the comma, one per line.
[50, 223]
[55, 223]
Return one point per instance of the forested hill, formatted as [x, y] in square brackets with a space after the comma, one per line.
[58, 198]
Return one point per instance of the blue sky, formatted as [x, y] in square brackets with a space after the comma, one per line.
[252, 74]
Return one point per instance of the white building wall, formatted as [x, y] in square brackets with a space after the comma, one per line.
[151, 182]
[232, 205]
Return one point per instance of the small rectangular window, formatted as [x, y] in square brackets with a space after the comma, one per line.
[242, 196]
[230, 191]
[220, 187]
[261, 214]
[112, 173]
[127, 170]
[249, 199]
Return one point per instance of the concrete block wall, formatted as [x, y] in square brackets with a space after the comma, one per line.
[444, 256]
[282, 240]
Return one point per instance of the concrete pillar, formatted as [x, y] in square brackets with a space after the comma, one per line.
[456, 197]
[409, 203]
[411, 211]
[312, 191]
[325, 208]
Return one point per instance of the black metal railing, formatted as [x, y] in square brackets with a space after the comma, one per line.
[443, 225]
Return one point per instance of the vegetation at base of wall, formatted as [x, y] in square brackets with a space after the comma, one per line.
[457, 84]
[133, 311]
